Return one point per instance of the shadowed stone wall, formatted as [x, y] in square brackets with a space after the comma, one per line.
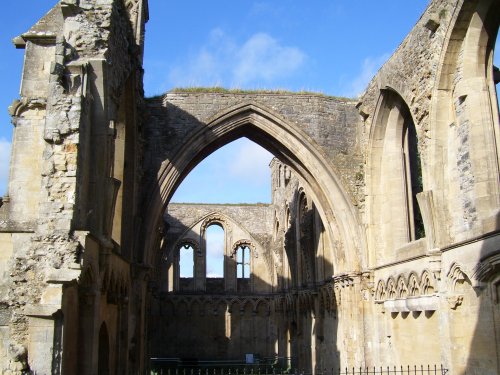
[382, 242]
[334, 124]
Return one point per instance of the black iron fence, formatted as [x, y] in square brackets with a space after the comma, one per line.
[396, 370]
[261, 366]
[176, 367]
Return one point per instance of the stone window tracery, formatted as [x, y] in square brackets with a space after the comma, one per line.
[427, 285]
[380, 291]
[391, 289]
[186, 260]
[243, 255]
[413, 286]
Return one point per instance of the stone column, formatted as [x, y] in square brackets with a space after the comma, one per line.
[89, 329]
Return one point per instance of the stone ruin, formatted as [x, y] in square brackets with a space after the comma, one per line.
[380, 246]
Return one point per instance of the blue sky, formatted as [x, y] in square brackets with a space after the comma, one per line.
[330, 46]
[334, 47]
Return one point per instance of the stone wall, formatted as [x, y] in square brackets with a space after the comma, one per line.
[332, 123]
[68, 97]
[438, 71]
[348, 280]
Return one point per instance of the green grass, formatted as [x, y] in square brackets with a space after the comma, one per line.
[222, 90]
[221, 204]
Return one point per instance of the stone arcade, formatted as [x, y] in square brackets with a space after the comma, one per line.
[380, 247]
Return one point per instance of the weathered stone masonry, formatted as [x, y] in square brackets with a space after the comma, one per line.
[380, 246]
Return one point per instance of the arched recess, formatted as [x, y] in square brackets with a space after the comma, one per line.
[395, 179]
[288, 259]
[306, 254]
[103, 355]
[464, 126]
[287, 142]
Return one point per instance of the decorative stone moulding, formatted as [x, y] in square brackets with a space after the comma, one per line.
[390, 305]
[421, 303]
[400, 305]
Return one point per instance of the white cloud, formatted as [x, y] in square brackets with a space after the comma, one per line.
[215, 251]
[207, 66]
[262, 58]
[222, 61]
[215, 245]
[369, 68]
[251, 163]
[4, 164]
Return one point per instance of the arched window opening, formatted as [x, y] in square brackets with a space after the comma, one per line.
[186, 261]
[243, 262]
[276, 228]
[413, 176]
[224, 176]
[305, 239]
[396, 177]
[214, 237]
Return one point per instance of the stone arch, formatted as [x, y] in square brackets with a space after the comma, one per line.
[285, 140]
[394, 177]
[391, 288]
[103, 365]
[187, 242]
[380, 294]
[464, 120]
[184, 243]
[304, 235]
[244, 242]
[413, 285]
[486, 272]
[401, 287]
[213, 218]
[457, 277]
[427, 283]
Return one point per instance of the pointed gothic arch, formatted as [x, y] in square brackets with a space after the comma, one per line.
[395, 178]
[286, 141]
[464, 118]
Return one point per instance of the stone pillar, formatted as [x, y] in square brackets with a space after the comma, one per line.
[89, 329]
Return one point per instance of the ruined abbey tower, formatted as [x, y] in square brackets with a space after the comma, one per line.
[381, 245]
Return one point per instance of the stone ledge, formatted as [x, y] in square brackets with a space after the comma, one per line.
[62, 276]
[41, 310]
[421, 303]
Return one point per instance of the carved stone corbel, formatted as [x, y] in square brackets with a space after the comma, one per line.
[455, 300]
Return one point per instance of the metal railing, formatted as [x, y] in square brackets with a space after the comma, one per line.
[261, 366]
[396, 370]
[234, 368]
